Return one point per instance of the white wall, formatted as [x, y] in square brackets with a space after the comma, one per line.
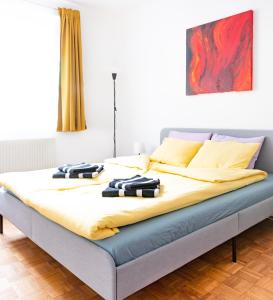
[144, 41]
[149, 52]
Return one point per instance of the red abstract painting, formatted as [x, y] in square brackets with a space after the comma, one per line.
[219, 55]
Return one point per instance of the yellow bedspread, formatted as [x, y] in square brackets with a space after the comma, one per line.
[77, 204]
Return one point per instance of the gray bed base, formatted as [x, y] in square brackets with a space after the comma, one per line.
[96, 267]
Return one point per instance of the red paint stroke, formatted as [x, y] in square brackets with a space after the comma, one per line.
[219, 55]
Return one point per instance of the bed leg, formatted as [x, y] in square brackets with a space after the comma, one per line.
[234, 249]
[1, 224]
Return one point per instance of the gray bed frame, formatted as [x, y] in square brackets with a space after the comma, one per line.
[96, 267]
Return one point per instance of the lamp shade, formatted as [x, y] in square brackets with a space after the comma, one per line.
[138, 148]
[114, 76]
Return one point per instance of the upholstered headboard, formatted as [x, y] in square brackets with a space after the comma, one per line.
[265, 160]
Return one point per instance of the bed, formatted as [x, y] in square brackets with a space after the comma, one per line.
[146, 251]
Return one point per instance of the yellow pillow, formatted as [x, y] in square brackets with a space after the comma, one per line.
[176, 152]
[229, 154]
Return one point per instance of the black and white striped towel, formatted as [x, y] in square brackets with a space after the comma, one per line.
[145, 193]
[134, 183]
[79, 175]
[79, 168]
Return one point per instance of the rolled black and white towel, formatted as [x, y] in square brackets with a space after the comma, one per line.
[79, 175]
[145, 193]
[134, 183]
[79, 168]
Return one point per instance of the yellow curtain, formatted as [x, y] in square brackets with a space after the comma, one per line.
[71, 116]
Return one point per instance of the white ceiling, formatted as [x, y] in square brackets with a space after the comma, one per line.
[106, 2]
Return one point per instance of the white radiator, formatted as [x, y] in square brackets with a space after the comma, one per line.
[25, 155]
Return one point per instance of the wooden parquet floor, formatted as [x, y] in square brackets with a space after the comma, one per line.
[28, 273]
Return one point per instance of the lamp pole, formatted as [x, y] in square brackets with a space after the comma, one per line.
[114, 76]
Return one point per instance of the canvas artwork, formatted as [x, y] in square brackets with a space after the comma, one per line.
[219, 55]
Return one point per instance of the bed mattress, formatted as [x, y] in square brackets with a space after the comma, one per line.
[138, 239]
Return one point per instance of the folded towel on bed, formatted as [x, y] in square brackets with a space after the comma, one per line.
[136, 186]
[94, 174]
[79, 168]
[146, 193]
[135, 182]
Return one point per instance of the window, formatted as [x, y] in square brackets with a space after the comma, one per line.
[29, 70]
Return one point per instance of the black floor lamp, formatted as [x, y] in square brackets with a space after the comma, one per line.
[114, 76]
